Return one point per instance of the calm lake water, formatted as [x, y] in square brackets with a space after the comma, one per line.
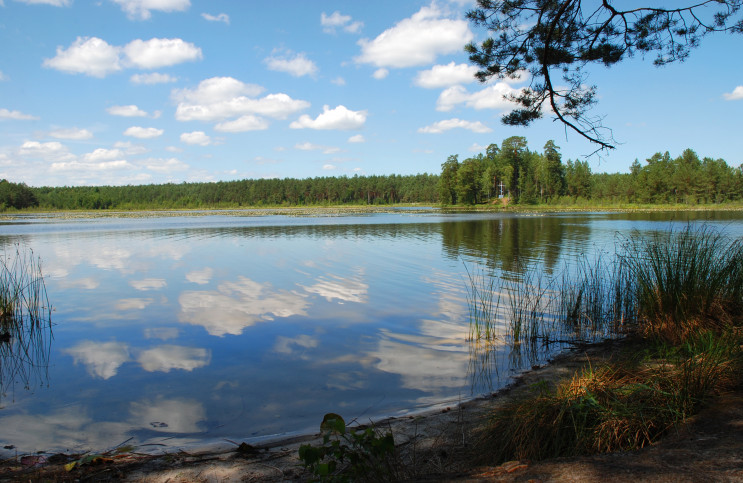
[197, 328]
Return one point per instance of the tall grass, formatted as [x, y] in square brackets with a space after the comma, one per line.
[681, 295]
[25, 320]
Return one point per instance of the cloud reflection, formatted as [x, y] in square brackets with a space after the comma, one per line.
[168, 415]
[201, 277]
[237, 305]
[148, 284]
[343, 289]
[166, 357]
[101, 359]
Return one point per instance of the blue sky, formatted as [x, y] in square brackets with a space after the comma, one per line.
[153, 91]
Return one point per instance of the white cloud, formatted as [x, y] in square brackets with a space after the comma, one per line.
[339, 81]
[102, 154]
[83, 167]
[338, 20]
[164, 358]
[53, 3]
[329, 167]
[155, 53]
[95, 57]
[380, 74]
[477, 148]
[297, 66]
[338, 118]
[129, 148]
[154, 78]
[74, 134]
[165, 166]
[102, 359]
[737, 94]
[417, 40]
[491, 97]
[51, 151]
[358, 138]
[87, 55]
[441, 126]
[141, 9]
[133, 304]
[16, 115]
[196, 137]
[446, 75]
[308, 146]
[143, 132]
[244, 123]
[126, 111]
[343, 289]
[222, 17]
[3, 77]
[221, 98]
[284, 344]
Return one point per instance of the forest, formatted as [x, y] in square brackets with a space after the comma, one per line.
[523, 176]
[510, 172]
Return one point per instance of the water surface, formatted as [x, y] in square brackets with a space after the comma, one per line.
[187, 329]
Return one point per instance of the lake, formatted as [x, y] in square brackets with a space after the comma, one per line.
[182, 330]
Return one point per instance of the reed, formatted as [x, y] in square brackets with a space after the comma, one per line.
[25, 320]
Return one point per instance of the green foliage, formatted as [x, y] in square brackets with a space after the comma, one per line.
[349, 455]
[420, 188]
[14, 195]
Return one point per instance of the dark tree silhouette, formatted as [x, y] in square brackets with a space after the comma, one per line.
[553, 40]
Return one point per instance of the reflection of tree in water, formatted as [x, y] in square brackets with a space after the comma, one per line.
[25, 321]
[508, 242]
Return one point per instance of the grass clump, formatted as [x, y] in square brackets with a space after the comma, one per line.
[680, 296]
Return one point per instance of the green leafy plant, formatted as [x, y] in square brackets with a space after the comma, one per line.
[348, 454]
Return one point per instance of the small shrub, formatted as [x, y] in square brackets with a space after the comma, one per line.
[349, 455]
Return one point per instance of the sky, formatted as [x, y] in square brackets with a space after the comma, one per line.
[117, 92]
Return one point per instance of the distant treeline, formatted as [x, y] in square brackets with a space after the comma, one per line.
[511, 171]
[528, 177]
[421, 188]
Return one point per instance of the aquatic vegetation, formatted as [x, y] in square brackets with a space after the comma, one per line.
[25, 320]
[680, 295]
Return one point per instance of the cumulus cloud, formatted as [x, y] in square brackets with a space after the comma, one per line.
[337, 20]
[221, 98]
[446, 75]
[222, 17]
[296, 66]
[737, 94]
[244, 123]
[16, 115]
[143, 132]
[154, 78]
[142, 9]
[446, 125]
[339, 81]
[337, 118]
[73, 134]
[492, 97]
[358, 138]
[87, 55]
[126, 111]
[380, 74]
[155, 53]
[90, 167]
[196, 137]
[102, 154]
[417, 40]
[51, 151]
